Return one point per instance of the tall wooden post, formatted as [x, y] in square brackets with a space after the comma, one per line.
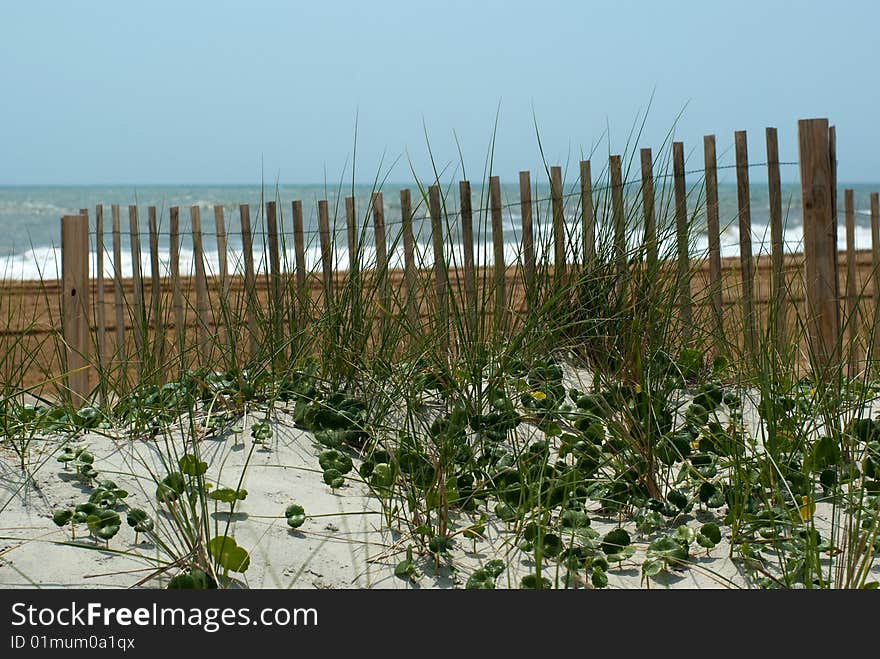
[75, 302]
[747, 264]
[713, 230]
[820, 240]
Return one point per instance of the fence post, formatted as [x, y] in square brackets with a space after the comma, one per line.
[101, 317]
[409, 259]
[558, 206]
[140, 323]
[223, 272]
[158, 347]
[118, 297]
[440, 272]
[74, 308]
[176, 293]
[326, 252]
[250, 291]
[277, 313]
[713, 229]
[779, 310]
[467, 246]
[648, 210]
[201, 285]
[747, 264]
[499, 266]
[528, 240]
[875, 279]
[618, 219]
[588, 214]
[299, 249]
[852, 297]
[820, 240]
[353, 237]
[681, 233]
[378, 204]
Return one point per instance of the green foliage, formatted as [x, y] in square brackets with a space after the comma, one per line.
[296, 515]
[228, 555]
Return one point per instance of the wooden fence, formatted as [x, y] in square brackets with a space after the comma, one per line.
[91, 322]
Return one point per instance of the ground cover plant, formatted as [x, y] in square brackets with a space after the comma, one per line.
[585, 443]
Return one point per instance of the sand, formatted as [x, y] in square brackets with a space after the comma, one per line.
[345, 543]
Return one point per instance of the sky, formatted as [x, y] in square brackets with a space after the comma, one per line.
[249, 92]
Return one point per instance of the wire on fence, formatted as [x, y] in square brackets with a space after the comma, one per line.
[506, 206]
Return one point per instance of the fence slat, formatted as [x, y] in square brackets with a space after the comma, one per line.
[378, 205]
[156, 290]
[299, 248]
[528, 236]
[713, 230]
[223, 273]
[409, 259]
[852, 297]
[588, 214]
[118, 298]
[747, 263]
[820, 239]
[499, 266]
[681, 234]
[648, 209]
[467, 246]
[875, 273]
[101, 312]
[176, 292]
[201, 285]
[353, 241]
[250, 291]
[777, 247]
[558, 206]
[436, 211]
[617, 218]
[75, 301]
[140, 324]
[326, 252]
[276, 305]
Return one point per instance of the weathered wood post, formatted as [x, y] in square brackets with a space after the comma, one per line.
[820, 241]
[74, 305]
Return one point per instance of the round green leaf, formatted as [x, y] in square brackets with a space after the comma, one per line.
[495, 567]
[194, 580]
[573, 519]
[505, 512]
[337, 460]
[104, 524]
[83, 511]
[192, 466]
[480, 580]
[711, 531]
[382, 476]
[228, 554]
[652, 567]
[139, 520]
[615, 540]
[228, 495]
[296, 515]
[333, 478]
[531, 582]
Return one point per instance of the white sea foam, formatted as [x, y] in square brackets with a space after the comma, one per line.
[45, 262]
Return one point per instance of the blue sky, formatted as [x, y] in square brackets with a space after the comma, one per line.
[235, 92]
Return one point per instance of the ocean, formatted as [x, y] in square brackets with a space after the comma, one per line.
[30, 215]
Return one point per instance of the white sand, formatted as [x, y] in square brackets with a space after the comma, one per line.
[355, 550]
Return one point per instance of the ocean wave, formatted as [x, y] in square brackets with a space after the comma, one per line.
[45, 262]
